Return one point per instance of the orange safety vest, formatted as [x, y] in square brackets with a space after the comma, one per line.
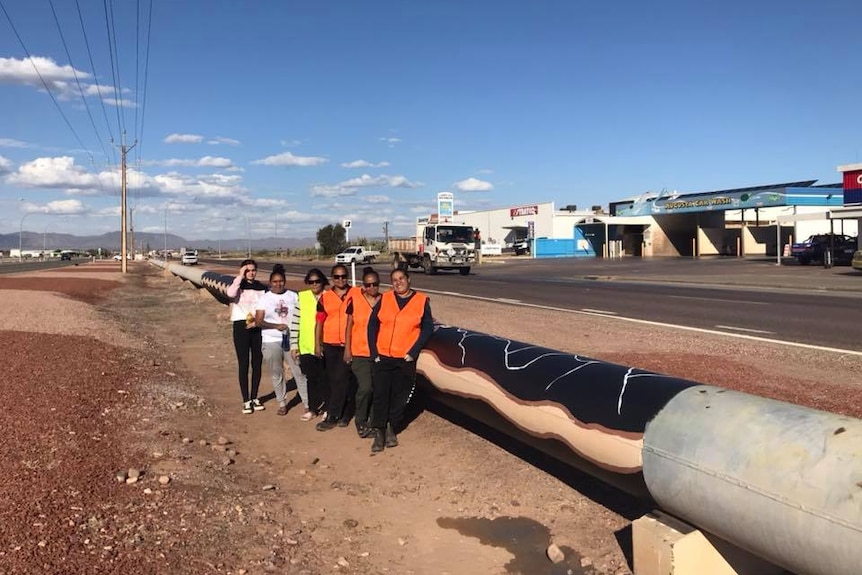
[335, 324]
[399, 328]
[359, 334]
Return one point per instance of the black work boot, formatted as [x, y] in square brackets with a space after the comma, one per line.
[379, 439]
[326, 424]
[390, 439]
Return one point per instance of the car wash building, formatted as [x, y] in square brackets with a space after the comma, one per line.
[758, 220]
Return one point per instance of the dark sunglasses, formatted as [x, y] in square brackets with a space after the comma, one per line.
[339, 276]
[310, 282]
[372, 284]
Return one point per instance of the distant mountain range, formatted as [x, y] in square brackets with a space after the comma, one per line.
[112, 240]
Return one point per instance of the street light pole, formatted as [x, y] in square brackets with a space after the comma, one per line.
[21, 235]
[165, 255]
[248, 236]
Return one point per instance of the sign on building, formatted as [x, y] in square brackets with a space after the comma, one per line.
[853, 187]
[445, 206]
[523, 211]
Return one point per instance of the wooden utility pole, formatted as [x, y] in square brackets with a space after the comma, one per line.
[124, 264]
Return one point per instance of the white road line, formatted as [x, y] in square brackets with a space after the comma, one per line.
[746, 329]
[712, 299]
[508, 300]
[663, 324]
[601, 311]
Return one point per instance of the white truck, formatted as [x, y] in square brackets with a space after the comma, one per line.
[356, 254]
[439, 246]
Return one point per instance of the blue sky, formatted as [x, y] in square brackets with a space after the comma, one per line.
[299, 114]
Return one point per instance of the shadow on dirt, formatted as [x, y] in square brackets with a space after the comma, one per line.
[503, 434]
[523, 537]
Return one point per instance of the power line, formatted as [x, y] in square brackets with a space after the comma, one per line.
[137, 58]
[146, 77]
[95, 77]
[44, 83]
[115, 69]
[77, 81]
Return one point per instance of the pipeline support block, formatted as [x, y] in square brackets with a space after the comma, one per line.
[663, 545]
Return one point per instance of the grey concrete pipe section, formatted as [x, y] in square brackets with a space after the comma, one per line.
[783, 481]
[780, 480]
[193, 274]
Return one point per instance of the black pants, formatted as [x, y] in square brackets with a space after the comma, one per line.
[318, 385]
[393, 382]
[248, 345]
[342, 391]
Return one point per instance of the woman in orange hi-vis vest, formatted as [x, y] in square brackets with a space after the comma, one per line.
[357, 354]
[330, 332]
[398, 328]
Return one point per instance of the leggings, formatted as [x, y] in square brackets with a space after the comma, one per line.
[394, 381]
[248, 345]
[342, 392]
[318, 385]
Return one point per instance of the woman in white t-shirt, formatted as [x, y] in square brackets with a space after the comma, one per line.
[244, 293]
[277, 313]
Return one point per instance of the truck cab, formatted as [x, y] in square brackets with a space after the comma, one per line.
[445, 246]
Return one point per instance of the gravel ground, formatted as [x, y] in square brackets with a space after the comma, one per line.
[105, 373]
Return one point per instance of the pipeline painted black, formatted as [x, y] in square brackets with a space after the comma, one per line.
[593, 391]
[217, 285]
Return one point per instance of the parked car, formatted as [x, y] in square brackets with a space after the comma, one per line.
[856, 262]
[190, 259]
[815, 248]
[67, 257]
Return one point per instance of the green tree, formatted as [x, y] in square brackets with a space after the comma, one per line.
[332, 239]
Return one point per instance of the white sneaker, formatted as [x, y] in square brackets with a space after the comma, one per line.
[247, 407]
[257, 405]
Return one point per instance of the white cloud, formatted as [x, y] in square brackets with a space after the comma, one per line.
[222, 140]
[211, 186]
[390, 141]
[484, 171]
[364, 164]
[377, 199]
[5, 165]
[57, 207]
[291, 143]
[59, 79]
[350, 187]
[367, 181]
[14, 71]
[262, 202]
[474, 185]
[331, 191]
[289, 160]
[10, 143]
[183, 139]
[206, 162]
[60, 172]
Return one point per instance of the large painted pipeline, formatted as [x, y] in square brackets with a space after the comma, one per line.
[779, 480]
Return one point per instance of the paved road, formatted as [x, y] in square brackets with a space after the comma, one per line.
[12, 268]
[809, 305]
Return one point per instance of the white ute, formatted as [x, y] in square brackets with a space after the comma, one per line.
[356, 254]
[190, 259]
